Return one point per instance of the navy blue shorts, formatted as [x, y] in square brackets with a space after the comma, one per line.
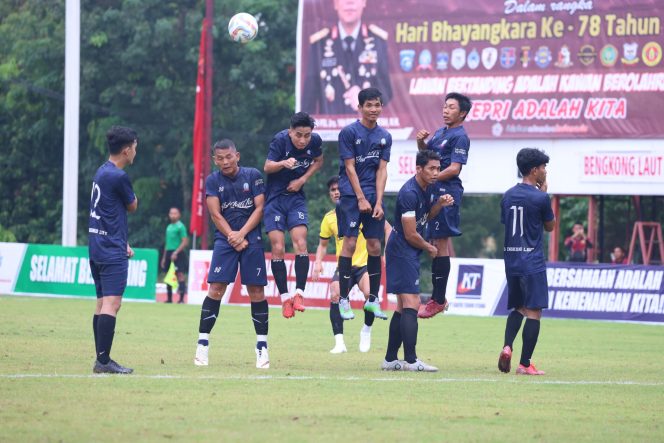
[349, 219]
[529, 291]
[110, 278]
[285, 212]
[402, 274]
[355, 275]
[448, 222]
[225, 261]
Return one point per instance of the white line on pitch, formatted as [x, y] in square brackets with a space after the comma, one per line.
[351, 379]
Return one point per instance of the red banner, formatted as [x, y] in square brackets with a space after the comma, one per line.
[196, 225]
[534, 69]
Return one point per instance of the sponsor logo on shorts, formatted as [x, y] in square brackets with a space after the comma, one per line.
[469, 281]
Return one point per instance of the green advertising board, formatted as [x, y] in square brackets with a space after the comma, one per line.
[60, 270]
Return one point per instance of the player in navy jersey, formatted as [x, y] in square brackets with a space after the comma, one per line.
[526, 209]
[416, 205]
[364, 150]
[235, 199]
[295, 155]
[452, 143]
[111, 198]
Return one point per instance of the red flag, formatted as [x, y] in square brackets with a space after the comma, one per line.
[201, 140]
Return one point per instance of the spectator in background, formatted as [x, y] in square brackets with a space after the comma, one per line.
[578, 244]
[618, 256]
[177, 241]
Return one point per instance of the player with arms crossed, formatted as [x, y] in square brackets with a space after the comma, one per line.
[295, 155]
[235, 198]
[416, 205]
[451, 143]
[112, 197]
[364, 150]
[359, 277]
[525, 210]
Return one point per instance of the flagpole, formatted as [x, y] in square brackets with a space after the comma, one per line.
[209, 72]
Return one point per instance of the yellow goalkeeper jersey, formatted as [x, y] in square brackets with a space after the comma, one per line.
[328, 229]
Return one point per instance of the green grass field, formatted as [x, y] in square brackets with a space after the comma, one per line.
[604, 382]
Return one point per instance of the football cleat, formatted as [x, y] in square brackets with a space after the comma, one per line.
[432, 308]
[339, 348]
[394, 365]
[287, 308]
[112, 367]
[298, 302]
[365, 341]
[201, 358]
[504, 361]
[528, 370]
[419, 366]
[344, 309]
[262, 359]
[374, 306]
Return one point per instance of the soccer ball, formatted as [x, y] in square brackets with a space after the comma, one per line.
[243, 27]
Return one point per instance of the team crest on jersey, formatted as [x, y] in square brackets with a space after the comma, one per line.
[443, 143]
[383, 142]
[245, 187]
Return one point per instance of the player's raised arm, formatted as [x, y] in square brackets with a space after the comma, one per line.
[443, 201]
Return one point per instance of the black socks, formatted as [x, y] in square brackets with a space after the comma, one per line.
[409, 334]
[530, 334]
[105, 333]
[440, 271]
[279, 272]
[344, 266]
[374, 269]
[301, 271]
[394, 340]
[335, 319]
[259, 315]
[209, 314]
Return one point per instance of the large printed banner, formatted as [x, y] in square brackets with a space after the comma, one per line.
[317, 293]
[33, 269]
[533, 68]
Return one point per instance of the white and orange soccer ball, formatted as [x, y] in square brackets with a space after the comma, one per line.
[243, 27]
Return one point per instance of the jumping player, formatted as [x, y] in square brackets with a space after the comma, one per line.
[525, 210]
[415, 206]
[364, 150]
[235, 198]
[295, 155]
[451, 143]
[359, 277]
[112, 197]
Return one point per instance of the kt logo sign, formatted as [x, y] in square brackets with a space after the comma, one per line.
[469, 284]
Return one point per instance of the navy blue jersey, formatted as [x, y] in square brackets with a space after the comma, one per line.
[368, 147]
[412, 201]
[523, 211]
[107, 228]
[282, 148]
[452, 145]
[236, 198]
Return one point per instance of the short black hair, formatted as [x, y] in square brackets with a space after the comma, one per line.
[119, 137]
[464, 102]
[529, 158]
[578, 223]
[224, 143]
[425, 156]
[302, 120]
[369, 94]
[334, 180]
